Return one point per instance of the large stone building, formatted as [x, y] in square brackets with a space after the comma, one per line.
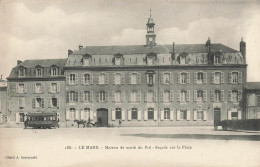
[3, 97]
[137, 85]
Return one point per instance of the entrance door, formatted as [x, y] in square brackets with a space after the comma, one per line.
[102, 116]
[216, 115]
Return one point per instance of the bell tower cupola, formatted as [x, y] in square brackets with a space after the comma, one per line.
[150, 36]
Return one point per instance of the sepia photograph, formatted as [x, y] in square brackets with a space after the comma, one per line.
[123, 83]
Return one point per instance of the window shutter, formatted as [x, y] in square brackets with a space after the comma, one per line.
[239, 114]
[229, 114]
[17, 117]
[155, 115]
[42, 102]
[67, 114]
[162, 114]
[76, 96]
[82, 99]
[23, 102]
[204, 77]
[58, 102]
[139, 95]
[67, 78]
[222, 95]
[42, 87]
[91, 96]
[77, 114]
[82, 114]
[129, 115]
[123, 114]
[155, 95]
[178, 115]
[113, 114]
[82, 79]
[122, 78]
[212, 95]
[34, 88]
[240, 77]
[98, 96]
[114, 79]
[113, 96]
[139, 114]
[129, 78]
[188, 95]
[205, 115]
[145, 115]
[106, 96]
[87, 116]
[50, 103]
[50, 89]
[162, 78]
[68, 97]
[91, 114]
[229, 78]
[179, 78]
[171, 78]
[58, 87]
[122, 96]
[91, 78]
[129, 96]
[195, 77]
[98, 76]
[213, 77]
[188, 115]
[240, 95]
[25, 88]
[204, 95]
[171, 114]
[106, 78]
[179, 96]
[76, 79]
[222, 77]
[162, 92]
[171, 95]
[145, 96]
[229, 95]
[17, 88]
[195, 95]
[195, 115]
[188, 77]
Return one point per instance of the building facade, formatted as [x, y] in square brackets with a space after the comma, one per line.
[135, 85]
[3, 97]
[252, 100]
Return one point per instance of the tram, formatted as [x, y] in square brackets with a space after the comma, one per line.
[41, 120]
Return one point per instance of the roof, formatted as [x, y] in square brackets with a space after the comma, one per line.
[41, 114]
[150, 20]
[253, 85]
[159, 49]
[43, 63]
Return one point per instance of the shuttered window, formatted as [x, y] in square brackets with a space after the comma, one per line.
[118, 113]
[166, 113]
[134, 113]
[150, 113]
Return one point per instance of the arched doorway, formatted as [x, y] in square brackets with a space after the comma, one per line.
[102, 116]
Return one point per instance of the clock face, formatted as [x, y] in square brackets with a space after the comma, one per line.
[150, 39]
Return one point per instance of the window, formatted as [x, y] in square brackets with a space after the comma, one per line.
[72, 113]
[117, 78]
[86, 79]
[117, 96]
[183, 78]
[86, 114]
[217, 95]
[183, 114]
[54, 88]
[150, 113]
[102, 79]
[38, 102]
[21, 88]
[258, 100]
[21, 115]
[166, 113]
[72, 79]
[216, 59]
[199, 95]
[200, 78]
[234, 115]
[86, 96]
[150, 96]
[135, 78]
[149, 61]
[200, 115]
[21, 102]
[102, 97]
[166, 96]
[117, 60]
[54, 102]
[134, 96]
[21, 72]
[38, 87]
[183, 96]
[217, 78]
[72, 96]
[134, 113]
[86, 62]
[182, 59]
[150, 79]
[118, 113]
[166, 78]
[234, 95]
[39, 72]
[234, 77]
[54, 71]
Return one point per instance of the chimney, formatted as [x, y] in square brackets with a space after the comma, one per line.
[69, 52]
[19, 62]
[208, 44]
[80, 47]
[243, 49]
[173, 47]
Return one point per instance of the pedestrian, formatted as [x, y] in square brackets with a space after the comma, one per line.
[119, 122]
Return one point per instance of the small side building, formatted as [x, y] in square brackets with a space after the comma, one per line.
[252, 100]
[3, 97]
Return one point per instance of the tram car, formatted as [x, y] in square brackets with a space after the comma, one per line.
[41, 120]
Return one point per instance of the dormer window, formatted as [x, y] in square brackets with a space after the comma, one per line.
[21, 72]
[38, 71]
[216, 59]
[86, 62]
[150, 59]
[118, 59]
[182, 58]
[54, 71]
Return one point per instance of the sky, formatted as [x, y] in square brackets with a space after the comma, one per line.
[46, 29]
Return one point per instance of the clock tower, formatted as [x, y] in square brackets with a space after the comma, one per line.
[150, 36]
